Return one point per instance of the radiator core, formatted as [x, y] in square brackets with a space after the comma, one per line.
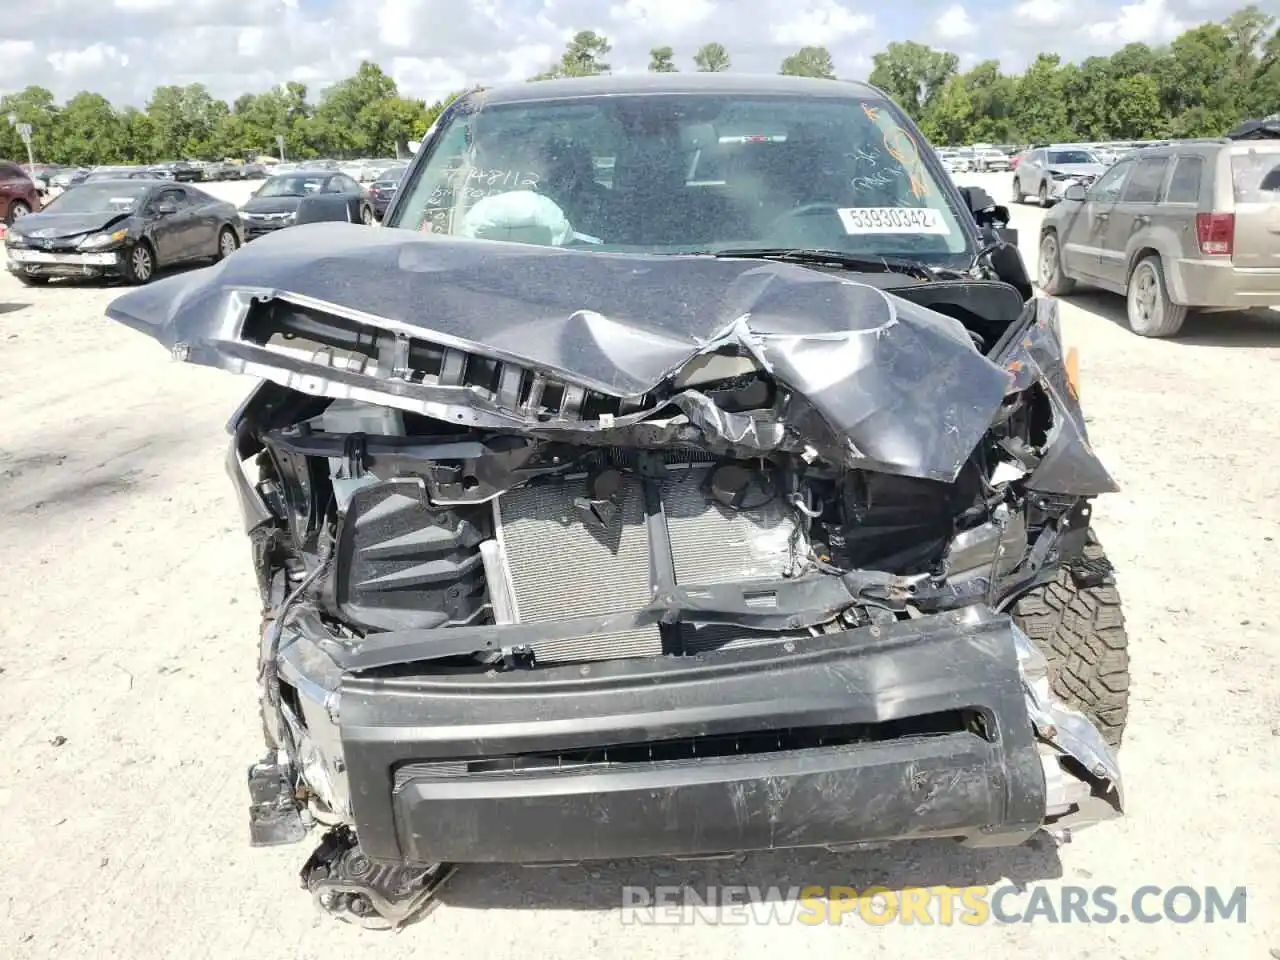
[561, 568]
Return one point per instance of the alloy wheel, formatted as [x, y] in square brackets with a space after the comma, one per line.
[1142, 297]
[1048, 261]
[227, 244]
[143, 264]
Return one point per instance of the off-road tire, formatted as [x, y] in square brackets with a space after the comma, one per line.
[1079, 626]
[1163, 318]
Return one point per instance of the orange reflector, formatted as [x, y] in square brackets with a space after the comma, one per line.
[1073, 370]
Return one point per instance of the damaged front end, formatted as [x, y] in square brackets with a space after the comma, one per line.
[570, 556]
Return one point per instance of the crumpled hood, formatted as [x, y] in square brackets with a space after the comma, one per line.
[52, 226]
[888, 384]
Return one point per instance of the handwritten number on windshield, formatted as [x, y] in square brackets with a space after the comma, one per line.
[475, 183]
[901, 147]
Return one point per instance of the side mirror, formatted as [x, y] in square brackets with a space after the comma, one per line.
[165, 209]
[329, 208]
[984, 208]
[1076, 193]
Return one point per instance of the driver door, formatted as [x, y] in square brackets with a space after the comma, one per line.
[171, 231]
[1085, 235]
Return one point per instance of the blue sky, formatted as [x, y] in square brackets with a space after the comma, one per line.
[124, 48]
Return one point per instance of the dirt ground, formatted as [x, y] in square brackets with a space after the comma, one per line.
[127, 647]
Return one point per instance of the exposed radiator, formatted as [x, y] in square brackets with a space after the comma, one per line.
[561, 568]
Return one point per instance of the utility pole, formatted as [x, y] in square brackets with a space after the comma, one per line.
[280, 144]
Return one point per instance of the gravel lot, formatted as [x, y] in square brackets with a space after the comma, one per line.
[127, 647]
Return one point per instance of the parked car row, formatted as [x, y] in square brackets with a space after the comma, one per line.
[127, 222]
[981, 158]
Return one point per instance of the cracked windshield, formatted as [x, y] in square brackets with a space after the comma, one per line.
[684, 174]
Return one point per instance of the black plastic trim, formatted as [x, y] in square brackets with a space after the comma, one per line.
[965, 785]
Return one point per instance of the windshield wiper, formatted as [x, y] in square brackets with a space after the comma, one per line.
[835, 258]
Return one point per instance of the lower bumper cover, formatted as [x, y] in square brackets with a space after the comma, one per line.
[1209, 283]
[254, 228]
[58, 270]
[473, 768]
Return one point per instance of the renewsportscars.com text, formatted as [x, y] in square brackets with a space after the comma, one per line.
[928, 906]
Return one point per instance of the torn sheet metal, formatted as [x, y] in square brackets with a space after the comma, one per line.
[1068, 464]
[877, 382]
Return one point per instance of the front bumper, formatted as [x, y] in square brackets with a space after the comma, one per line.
[1058, 187]
[64, 264]
[260, 228]
[909, 730]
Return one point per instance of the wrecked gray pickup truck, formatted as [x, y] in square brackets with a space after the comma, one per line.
[570, 552]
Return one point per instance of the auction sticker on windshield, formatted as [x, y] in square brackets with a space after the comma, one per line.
[892, 220]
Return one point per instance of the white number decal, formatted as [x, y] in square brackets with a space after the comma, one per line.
[893, 220]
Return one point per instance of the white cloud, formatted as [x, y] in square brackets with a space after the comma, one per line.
[1145, 21]
[87, 60]
[434, 46]
[820, 23]
[955, 23]
[16, 48]
[663, 16]
[1044, 13]
[251, 41]
[395, 22]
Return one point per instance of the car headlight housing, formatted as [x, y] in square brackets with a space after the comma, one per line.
[1059, 175]
[97, 241]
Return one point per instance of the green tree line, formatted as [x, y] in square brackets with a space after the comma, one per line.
[1204, 82]
[363, 115]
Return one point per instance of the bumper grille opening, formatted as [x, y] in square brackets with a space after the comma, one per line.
[761, 743]
[341, 343]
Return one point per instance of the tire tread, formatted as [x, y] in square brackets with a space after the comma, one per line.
[1081, 631]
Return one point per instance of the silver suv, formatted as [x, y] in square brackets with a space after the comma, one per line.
[1192, 225]
[1045, 172]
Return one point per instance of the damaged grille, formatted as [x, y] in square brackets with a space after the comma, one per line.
[684, 749]
[562, 567]
[329, 342]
